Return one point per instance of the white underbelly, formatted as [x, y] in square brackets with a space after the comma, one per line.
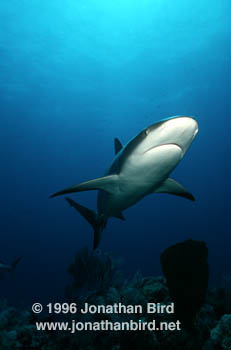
[142, 174]
[128, 194]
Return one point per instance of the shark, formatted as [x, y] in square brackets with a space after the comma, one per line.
[9, 267]
[139, 168]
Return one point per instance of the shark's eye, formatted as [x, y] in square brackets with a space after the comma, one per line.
[146, 131]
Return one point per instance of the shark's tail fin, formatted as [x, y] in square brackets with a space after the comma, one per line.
[15, 263]
[93, 219]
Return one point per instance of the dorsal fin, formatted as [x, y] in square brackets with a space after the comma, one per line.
[117, 145]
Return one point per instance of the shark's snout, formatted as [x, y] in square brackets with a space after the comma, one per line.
[181, 130]
[190, 123]
[189, 131]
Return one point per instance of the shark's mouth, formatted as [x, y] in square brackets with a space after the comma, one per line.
[164, 144]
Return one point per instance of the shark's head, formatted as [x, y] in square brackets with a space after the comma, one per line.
[179, 130]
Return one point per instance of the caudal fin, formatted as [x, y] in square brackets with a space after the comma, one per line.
[91, 217]
[15, 262]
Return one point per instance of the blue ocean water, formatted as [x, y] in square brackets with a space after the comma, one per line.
[76, 74]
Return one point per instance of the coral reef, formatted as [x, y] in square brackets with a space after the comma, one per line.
[221, 334]
[97, 281]
[18, 331]
[92, 271]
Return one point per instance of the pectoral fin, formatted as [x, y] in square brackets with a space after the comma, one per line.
[106, 183]
[173, 187]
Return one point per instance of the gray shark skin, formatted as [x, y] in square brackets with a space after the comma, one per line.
[140, 168]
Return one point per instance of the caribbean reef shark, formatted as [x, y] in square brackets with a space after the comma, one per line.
[139, 168]
[8, 267]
